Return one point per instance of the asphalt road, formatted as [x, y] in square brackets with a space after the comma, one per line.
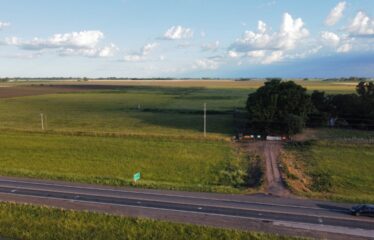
[251, 212]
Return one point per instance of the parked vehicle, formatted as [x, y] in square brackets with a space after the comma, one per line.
[363, 210]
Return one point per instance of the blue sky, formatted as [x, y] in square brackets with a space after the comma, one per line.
[189, 38]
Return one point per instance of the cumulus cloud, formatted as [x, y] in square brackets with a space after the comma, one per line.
[206, 64]
[210, 46]
[74, 40]
[291, 31]
[233, 54]
[336, 14]
[275, 56]
[178, 32]
[256, 54]
[361, 25]
[84, 43]
[4, 25]
[330, 38]
[142, 54]
[266, 46]
[107, 51]
[344, 48]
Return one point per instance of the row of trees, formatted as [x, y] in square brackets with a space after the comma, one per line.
[344, 110]
[286, 107]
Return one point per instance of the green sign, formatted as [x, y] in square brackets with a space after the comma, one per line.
[136, 177]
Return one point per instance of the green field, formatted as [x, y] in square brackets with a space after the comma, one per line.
[30, 222]
[105, 135]
[168, 163]
[160, 111]
[336, 170]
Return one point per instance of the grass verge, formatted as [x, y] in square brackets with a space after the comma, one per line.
[169, 163]
[331, 169]
[31, 222]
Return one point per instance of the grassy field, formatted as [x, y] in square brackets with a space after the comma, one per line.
[148, 111]
[166, 163]
[159, 129]
[333, 169]
[30, 222]
[330, 87]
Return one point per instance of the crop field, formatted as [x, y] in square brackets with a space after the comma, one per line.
[147, 110]
[104, 132]
[335, 169]
[31, 222]
[167, 163]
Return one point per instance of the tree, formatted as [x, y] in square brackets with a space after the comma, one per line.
[278, 106]
[365, 90]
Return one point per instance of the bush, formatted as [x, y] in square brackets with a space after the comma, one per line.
[322, 181]
[256, 172]
[233, 175]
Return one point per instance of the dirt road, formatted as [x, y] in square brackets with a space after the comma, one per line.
[275, 185]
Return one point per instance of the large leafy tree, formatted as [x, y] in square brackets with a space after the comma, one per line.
[279, 107]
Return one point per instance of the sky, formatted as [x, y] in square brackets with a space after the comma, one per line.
[187, 38]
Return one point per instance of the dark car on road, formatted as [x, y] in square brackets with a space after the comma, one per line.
[363, 210]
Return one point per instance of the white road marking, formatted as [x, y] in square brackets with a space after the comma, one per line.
[291, 224]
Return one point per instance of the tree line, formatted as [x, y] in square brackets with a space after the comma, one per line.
[284, 107]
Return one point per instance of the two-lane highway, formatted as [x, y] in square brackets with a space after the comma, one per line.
[252, 212]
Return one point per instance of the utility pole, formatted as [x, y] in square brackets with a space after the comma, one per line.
[42, 120]
[204, 119]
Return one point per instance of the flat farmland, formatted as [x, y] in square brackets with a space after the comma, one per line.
[104, 132]
[165, 163]
[132, 110]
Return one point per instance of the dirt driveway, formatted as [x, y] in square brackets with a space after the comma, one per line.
[274, 180]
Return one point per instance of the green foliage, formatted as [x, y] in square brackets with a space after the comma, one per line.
[31, 222]
[235, 172]
[339, 171]
[279, 107]
[322, 181]
[350, 110]
[256, 172]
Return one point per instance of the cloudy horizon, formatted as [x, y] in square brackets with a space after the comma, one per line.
[127, 38]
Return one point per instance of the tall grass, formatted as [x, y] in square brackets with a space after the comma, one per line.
[167, 163]
[31, 222]
[339, 171]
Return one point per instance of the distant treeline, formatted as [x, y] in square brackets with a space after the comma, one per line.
[349, 79]
[344, 110]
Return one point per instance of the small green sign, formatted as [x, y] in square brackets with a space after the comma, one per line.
[136, 176]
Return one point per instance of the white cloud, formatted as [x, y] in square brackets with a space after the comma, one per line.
[84, 43]
[330, 38]
[210, 46]
[266, 47]
[361, 25]
[291, 31]
[142, 54]
[206, 64]
[336, 14]
[4, 25]
[133, 58]
[233, 54]
[178, 32]
[146, 50]
[107, 51]
[344, 48]
[256, 54]
[275, 56]
[74, 40]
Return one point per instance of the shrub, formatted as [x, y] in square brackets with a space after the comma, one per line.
[322, 181]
